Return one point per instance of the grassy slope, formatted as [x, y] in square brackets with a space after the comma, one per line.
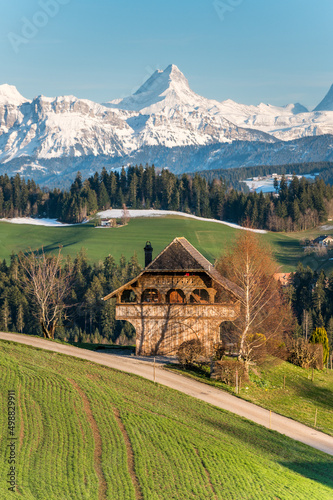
[208, 237]
[78, 423]
[300, 398]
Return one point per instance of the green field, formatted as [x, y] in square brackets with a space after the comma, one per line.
[208, 237]
[90, 432]
[285, 389]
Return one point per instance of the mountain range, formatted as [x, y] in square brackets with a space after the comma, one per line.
[163, 122]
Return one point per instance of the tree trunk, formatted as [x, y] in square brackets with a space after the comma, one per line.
[48, 332]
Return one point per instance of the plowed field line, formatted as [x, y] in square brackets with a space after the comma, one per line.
[130, 455]
[212, 395]
[102, 488]
[207, 475]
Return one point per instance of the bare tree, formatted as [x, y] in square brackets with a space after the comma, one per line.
[264, 315]
[125, 218]
[48, 283]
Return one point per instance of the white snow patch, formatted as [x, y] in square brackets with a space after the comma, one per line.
[266, 185]
[117, 214]
[36, 222]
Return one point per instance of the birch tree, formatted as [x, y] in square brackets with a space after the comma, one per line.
[48, 284]
[264, 315]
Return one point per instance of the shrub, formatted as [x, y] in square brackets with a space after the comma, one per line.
[189, 352]
[305, 355]
[219, 351]
[225, 371]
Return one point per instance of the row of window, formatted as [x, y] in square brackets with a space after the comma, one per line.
[173, 296]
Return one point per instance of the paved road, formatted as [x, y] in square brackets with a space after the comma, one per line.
[209, 394]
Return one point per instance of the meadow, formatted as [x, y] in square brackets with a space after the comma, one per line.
[283, 388]
[209, 238]
[89, 432]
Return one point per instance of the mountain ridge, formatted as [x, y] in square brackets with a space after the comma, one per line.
[163, 116]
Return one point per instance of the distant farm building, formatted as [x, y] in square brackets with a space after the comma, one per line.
[179, 296]
[108, 222]
[324, 241]
[283, 278]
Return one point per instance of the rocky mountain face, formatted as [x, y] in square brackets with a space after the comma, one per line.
[164, 122]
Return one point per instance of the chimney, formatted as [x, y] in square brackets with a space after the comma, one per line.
[148, 253]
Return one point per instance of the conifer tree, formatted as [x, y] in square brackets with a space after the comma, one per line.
[20, 319]
[6, 315]
[319, 336]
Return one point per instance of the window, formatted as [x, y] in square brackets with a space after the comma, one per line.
[128, 296]
[151, 295]
[199, 296]
[175, 296]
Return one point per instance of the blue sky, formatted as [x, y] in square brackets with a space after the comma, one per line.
[247, 50]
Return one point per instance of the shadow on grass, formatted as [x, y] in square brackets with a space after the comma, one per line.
[52, 247]
[56, 245]
[287, 252]
[271, 443]
[319, 396]
[321, 472]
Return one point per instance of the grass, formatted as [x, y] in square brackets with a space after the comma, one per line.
[107, 347]
[299, 399]
[87, 432]
[208, 237]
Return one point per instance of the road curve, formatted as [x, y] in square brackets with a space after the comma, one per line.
[188, 386]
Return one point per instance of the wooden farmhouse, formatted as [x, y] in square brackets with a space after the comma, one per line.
[179, 296]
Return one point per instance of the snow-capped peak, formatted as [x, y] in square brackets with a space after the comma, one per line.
[161, 86]
[10, 95]
[327, 103]
[161, 80]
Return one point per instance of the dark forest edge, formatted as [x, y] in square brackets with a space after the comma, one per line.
[86, 317]
[302, 204]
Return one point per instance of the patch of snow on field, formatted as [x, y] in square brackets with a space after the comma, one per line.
[36, 222]
[117, 214]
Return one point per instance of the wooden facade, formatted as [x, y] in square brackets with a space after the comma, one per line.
[179, 296]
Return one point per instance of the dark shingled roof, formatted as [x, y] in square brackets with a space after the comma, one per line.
[180, 255]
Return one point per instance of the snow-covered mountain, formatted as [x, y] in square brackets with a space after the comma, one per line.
[164, 112]
[10, 96]
[162, 117]
[327, 103]
[166, 96]
[286, 123]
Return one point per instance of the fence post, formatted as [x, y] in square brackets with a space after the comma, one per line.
[236, 381]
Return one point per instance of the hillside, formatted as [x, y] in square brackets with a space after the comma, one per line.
[283, 388]
[209, 238]
[85, 431]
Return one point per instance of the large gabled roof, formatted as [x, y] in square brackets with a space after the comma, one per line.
[180, 255]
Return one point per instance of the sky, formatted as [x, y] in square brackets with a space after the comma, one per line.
[251, 51]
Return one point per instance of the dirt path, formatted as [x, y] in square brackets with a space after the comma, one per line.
[198, 390]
